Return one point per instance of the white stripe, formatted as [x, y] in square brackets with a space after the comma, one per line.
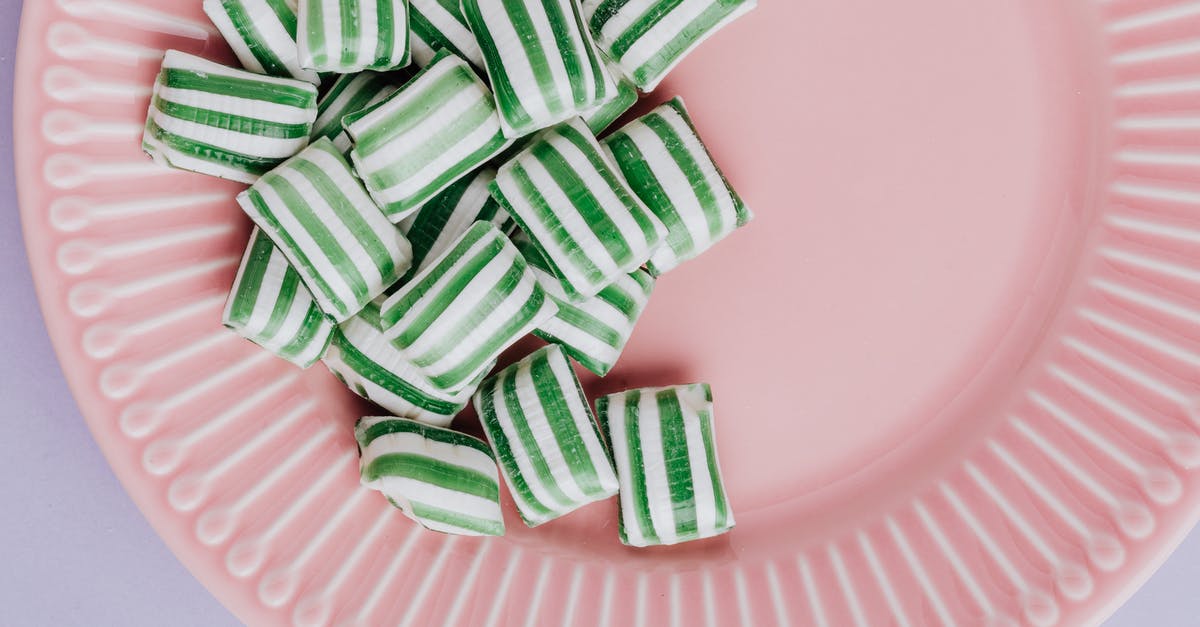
[543, 435]
[451, 27]
[658, 495]
[521, 455]
[620, 446]
[584, 426]
[268, 293]
[243, 266]
[244, 143]
[437, 496]
[580, 340]
[413, 442]
[370, 33]
[516, 65]
[293, 324]
[422, 53]
[265, 110]
[175, 59]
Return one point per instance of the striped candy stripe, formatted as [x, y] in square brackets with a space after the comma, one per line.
[440, 25]
[269, 306]
[347, 36]
[441, 221]
[669, 168]
[351, 93]
[444, 480]
[455, 317]
[362, 358]
[647, 38]
[319, 215]
[433, 131]
[544, 437]
[580, 213]
[262, 33]
[208, 118]
[666, 460]
[622, 99]
[540, 57]
[594, 331]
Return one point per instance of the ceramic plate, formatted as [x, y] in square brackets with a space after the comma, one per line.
[956, 358]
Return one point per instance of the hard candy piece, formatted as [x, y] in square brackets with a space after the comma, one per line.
[262, 34]
[441, 221]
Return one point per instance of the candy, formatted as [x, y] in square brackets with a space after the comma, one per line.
[544, 437]
[319, 215]
[572, 202]
[433, 131]
[540, 57]
[454, 318]
[350, 93]
[619, 101]
[647, 38]
[262, 33]
[440, 25]
[666, 460]
[444, 480]
[362, 358]
[347, 36]
[668, 167]
[441, 221]
[208, 118]
[269, 306]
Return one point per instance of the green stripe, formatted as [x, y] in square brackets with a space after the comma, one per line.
[559, 418]
[566, 50]
[404, 165]
[687, 164]
[351, 25]
[676, 462]
[387, 31]
[597, 71]
[229, 122]
[388, 380]
[254, 40]
[457, 519]
[318, 46]
[637, 479]
[245, 297]
[283, 303]
[591, 325]
[431, 99]
[314, 322]
[533, 451]
[504, 454]
[208, 152]
[714, 472]
[247, 88]
[687, 38]
[285, 15]
[464, 273]
[605, 12]
[486, 352]
[641, 177]
[433, 471]
[264, 213]
[642, 25]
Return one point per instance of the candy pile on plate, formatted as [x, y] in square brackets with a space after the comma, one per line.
[427, 188]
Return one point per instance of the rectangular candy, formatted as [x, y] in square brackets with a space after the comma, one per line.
[666, 460]
[444, 480]
[322, 219]
[351, 93]
[669, 168]
[574, 205]
[441, 221]
[362, 358]
[541, 60]
[454, 318]
[208, 118]
[436, 129]
[440, 25]
[262, 33]
[347, 36]
[270, 306]
[544, 437]
[647, 38]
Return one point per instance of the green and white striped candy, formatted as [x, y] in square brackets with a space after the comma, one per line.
[622, 99]
[440, 25]
[322, 219]
[269, 306]
[347, 36]
[541, 60]
[544, 437]
[435, 130]
[441, 221]
[262, 33]
[666, 460]
[208, 118]
[444, 480]
[580, 213]
[669, 168]
[362, 358]
[454, 318]
[647, 38]
[350, 93]
[594, 331]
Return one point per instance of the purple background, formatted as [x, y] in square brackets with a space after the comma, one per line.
[73, 548]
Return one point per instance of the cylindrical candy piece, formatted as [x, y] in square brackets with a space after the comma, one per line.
[669, 168]
[541, 60]
[270, 306]
[441, 221]
[444, 480]
[435, 130]
[362, 358]
[208, 118]
[563, 192]
[544, 437]
[454, 318]
[262, 33]
[440, 25]
[647, 38]
[351, 93]
[347, 36]
[666, 460]
[319, 215]
[619, 101]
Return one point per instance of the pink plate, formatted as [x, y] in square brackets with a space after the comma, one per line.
[956, 357]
